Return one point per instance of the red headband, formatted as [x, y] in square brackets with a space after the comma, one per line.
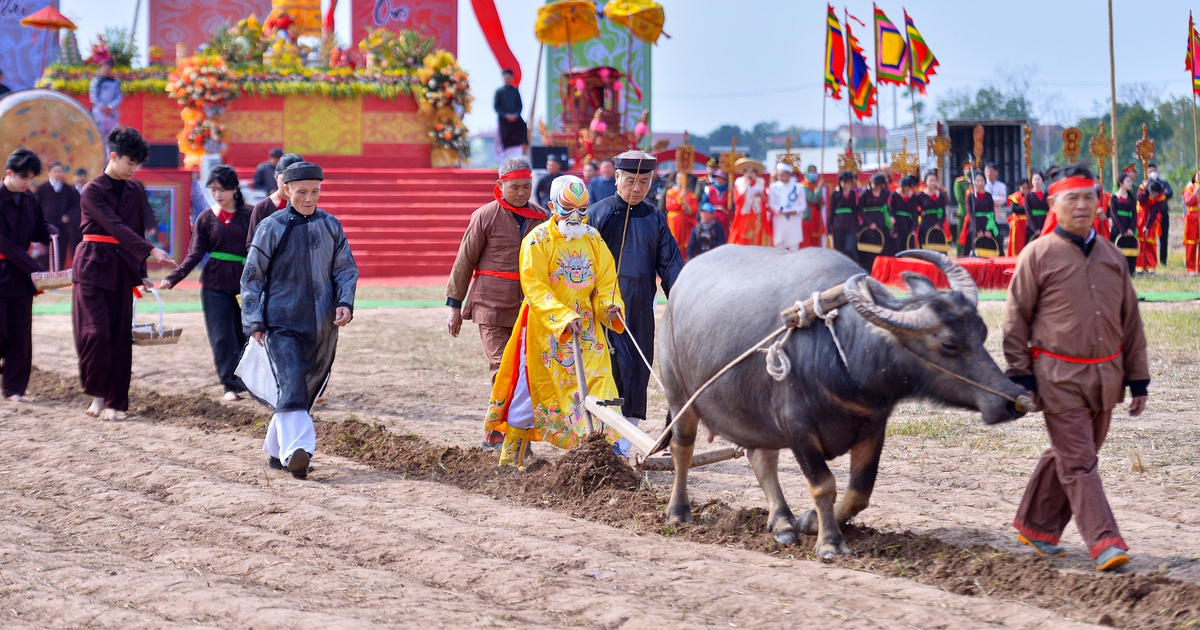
[511, 175]
[1067, 184]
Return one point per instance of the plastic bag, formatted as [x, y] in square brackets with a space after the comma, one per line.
[257, 374]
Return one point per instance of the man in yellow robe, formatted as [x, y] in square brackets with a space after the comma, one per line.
[570, 285]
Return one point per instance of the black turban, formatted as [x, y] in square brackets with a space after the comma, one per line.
[303, 171]
[285, 161]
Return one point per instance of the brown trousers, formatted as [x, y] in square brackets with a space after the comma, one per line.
[494, 339]
[1066, 482]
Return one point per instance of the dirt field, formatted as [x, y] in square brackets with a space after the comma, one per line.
[171, 518]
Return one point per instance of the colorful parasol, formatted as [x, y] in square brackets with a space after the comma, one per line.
[47, 19]
[643, 18]
[566, 22]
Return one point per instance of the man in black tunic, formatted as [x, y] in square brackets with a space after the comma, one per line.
[110, 262]
[60, 205]
[297, 289]
[642, 246]
[21, 222]
[512, 132]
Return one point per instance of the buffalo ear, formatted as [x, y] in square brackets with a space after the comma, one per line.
[918, 284]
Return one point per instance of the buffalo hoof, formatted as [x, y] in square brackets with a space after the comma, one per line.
[679, 516]
[807, 523]
[831, 550]
[785, 537]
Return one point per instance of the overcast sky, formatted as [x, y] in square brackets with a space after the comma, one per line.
[758, 60]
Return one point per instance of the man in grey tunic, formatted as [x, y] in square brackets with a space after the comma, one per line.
[297, 289]
[106, 97]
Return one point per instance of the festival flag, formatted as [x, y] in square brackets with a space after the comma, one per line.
[862, 91]
[921, 60]
[891, 51]
[1189, 63]
[835, 55]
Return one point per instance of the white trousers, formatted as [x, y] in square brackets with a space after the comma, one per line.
[520, 409]
[289, 431]
[789, 230]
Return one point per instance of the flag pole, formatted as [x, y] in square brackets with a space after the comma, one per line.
[911, 92]
[1192, 81]
[878, 141]
[1112, 83]
[849, 81]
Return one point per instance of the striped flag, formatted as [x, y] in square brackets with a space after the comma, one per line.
[862, 91]
[835, 55]
[921, 60]
[1189, 63]
[891, 51]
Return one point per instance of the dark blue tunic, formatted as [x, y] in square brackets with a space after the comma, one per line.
[298, 271]
[649, 251]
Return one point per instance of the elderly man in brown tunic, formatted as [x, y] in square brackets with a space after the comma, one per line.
[1073, 335]
[487, 262]
[109, 264]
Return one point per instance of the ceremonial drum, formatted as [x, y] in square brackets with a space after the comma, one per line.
[54, 126]
[935, 240]
[986, 247]
[1128, 245]
[870, 240]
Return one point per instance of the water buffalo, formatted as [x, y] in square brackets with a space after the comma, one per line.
[727, 300]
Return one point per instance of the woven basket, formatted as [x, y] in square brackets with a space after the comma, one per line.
[154, 334]
[55, 278]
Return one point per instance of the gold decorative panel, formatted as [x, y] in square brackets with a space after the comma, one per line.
[323, 126]
[396, 128]
[160, 119]
[264, 127]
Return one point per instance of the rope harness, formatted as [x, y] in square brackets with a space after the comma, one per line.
[778, 363]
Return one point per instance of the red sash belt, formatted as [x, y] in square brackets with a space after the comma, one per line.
[100, 238]
[503, 275]
[1037, 352]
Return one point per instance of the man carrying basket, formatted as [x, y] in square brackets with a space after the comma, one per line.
[22, 224]
[109, 265]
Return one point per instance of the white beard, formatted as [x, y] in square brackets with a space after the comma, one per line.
[572, 231]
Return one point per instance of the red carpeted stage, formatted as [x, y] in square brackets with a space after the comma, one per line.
[989, 273]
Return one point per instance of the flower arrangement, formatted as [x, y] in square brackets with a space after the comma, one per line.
[203, 86]
[202, 81]
[388, 50]
[444, 84]
[451, 135]
[235, 63]
[76, 79]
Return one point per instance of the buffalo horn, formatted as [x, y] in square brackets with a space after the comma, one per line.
[860, 298]
[958, 277]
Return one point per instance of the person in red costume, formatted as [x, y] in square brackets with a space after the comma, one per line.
[751, 221]
[682, 208]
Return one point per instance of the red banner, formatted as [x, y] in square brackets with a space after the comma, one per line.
[493, 32]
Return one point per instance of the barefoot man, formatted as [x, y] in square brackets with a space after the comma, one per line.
[1073, 335]
[109, 265]
[22, 223]
[297, 290]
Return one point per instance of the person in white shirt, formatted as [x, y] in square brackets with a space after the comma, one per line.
[997, 190]
[787, 200]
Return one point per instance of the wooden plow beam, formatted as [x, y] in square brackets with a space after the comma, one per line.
[645, 444]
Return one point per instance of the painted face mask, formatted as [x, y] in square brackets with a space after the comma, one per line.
[571, 205]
